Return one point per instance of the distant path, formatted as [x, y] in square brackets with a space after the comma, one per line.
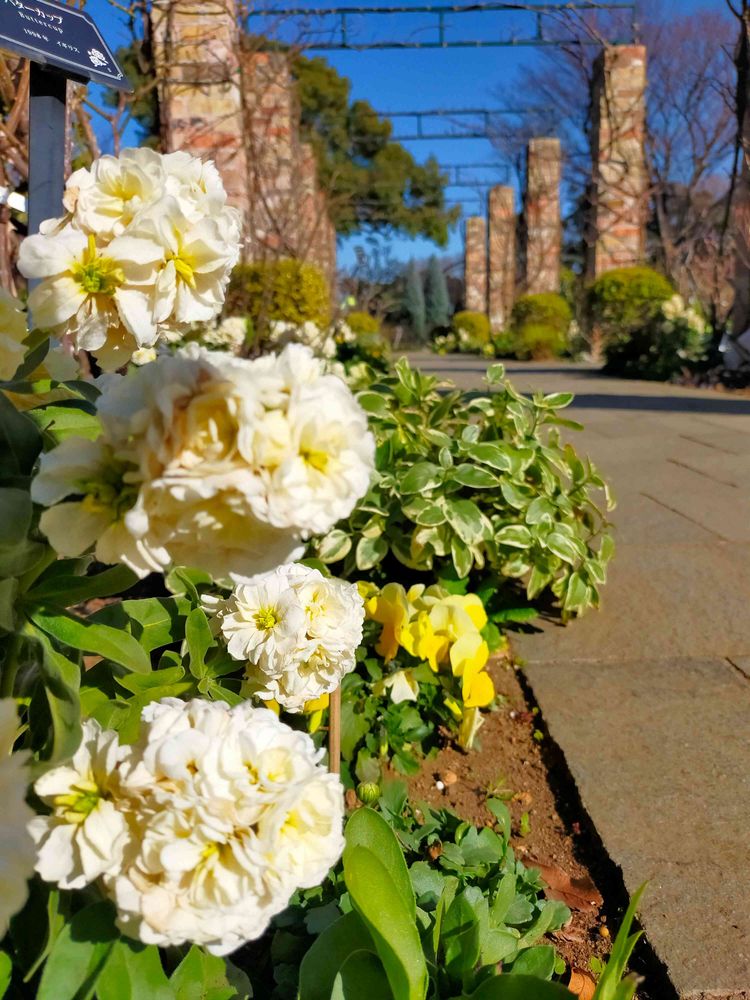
[649, 699]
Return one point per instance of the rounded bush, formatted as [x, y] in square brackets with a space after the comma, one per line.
[288, 290]
[539, 342]
[362, 322]
[545, 309]
[626, 299]
[475, 325]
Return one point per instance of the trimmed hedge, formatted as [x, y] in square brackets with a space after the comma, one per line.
[540, 325]
[475, 324]
[625, 300]
[362, 322]
[288, 290]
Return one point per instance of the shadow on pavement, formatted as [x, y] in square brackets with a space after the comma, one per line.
[667, 404]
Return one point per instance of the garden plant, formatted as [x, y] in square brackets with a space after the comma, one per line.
[173, 643]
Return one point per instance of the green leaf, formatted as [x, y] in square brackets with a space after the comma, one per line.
[504, 896]
[153, 621]
[494, 455]
[361, 975]
[15, 517]
[607, 988]
[474, 477]
[462, 557]
[354, 725]
[6, 972]
[370, 551]
[422, 476]
[61, 678]
[430, 516]
[79, 954]
[70, 590]
[201, 976]
[461, 937]
[20, 441]
[333, 546]
[379, 902]
[376, 403]
[367, 828]
[515, 536]
[538, 962]
[65, 419]
[563, 547]
[520, 988]
[557, 400]
[328, 953]
[93, 638]
[466, 520]
[133, 971]
[199, 641]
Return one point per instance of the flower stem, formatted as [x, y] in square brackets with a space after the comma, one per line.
[10, 665]
[334, 733]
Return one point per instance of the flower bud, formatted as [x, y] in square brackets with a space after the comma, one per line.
[368, 792]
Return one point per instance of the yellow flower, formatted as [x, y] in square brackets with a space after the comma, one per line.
[315, 709]
[469, 727]
[420, 639]
[472, 605]
[390, 609]
[368, 592]
[469, 657]
[402, 684]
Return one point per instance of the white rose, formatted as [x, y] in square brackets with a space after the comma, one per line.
[86, 833]
[16, 846]
[106, 197]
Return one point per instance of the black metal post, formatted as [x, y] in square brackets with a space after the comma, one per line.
[47, 93]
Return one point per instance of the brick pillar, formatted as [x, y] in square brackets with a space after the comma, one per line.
[502, 258]
[196, 51]
[617, 227]
[475, 264]
[274, 156]
[542, 210]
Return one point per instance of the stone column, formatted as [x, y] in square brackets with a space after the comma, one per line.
[617, 227]
[196, 52]
[502, 256]
[542, 210]
[475, 264]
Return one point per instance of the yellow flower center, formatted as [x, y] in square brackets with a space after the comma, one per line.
[77, 804]
[315, 458]
[95, 274]
[266, 619]
[184, 265]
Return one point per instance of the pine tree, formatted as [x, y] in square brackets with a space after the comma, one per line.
[414, 299]
[437, 301]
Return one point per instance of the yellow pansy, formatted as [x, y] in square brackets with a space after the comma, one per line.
[402, 685]
[420, 639]
[469, 656]
[469, 727]
[368, 592]
[314, 710]
[392, 610]
[472, 605]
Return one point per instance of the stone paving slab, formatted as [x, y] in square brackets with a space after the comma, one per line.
[649, 699]
[653, 746]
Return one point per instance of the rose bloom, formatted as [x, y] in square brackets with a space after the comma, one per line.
[233, 812]
[86, 831]
[16, 846]
[220, 462]
[297, 632]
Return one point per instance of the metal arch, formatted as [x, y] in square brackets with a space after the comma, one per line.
[538, 11]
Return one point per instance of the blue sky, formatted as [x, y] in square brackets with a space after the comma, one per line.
[407, 80]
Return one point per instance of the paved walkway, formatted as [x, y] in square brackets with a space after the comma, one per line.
[649, 698]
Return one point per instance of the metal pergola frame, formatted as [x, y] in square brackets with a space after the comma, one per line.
[470, 131]
[342, 28]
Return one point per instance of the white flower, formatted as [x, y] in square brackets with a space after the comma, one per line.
[210, 460]
[297, 632]
[106, 197]
[95, 292]
[12, 335]
[230, 333]
[321, 342]
[85, 835]
[233, 813]
[144, 355]
[16, 846]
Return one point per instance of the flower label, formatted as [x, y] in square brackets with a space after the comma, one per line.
[60, 36]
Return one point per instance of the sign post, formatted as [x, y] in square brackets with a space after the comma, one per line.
[63, 44]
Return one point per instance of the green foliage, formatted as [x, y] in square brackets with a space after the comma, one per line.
[278, 290]
[413, 303]
[673, 340]
[540, 325]
[437, 302]
[437, 926]
[372, 181]
[625, 300]
[475, 325]
[362, 323]
[466, 483]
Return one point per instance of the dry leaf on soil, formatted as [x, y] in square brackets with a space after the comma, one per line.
[581, 984]
[577, 893]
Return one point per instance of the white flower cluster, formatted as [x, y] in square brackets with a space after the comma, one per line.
[230, 334]
[16, 846]
[200, 832]
[209, 460]
[676, 310]
[146, 248]
[321, 342]
[297, 632]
